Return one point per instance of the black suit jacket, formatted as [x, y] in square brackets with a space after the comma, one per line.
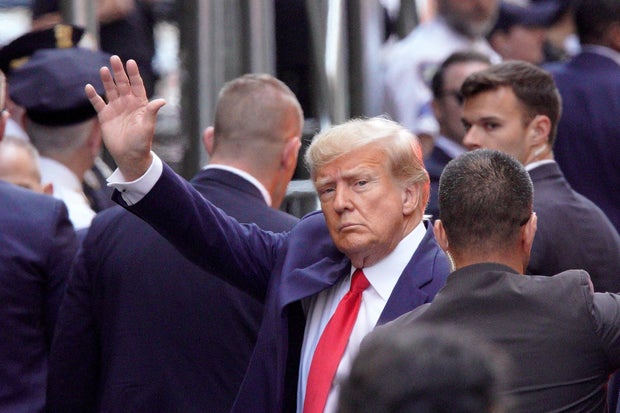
[434, 163]
[37, 245]
[564, 339]
[572, 233]
[144, 330]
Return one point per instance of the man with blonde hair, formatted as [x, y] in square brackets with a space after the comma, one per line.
[367, 258]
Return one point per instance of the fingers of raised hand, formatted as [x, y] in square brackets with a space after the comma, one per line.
[94, 98]
[135, 80]
[120, 76]
[108, 83]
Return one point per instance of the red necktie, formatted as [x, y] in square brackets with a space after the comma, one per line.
[331, 345]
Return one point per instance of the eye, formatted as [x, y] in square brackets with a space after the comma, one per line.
[466, 126]
[361, 182]
[325, 192]
[490, 126]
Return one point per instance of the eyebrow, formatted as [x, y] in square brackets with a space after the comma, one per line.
[351, 173]
[482, 119]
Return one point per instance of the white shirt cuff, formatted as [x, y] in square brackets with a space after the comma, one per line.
[132, 192]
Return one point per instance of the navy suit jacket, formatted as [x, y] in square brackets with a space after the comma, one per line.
[281, 269]
[142, 329]
[572, 233]
[37, 245]
[588, 141]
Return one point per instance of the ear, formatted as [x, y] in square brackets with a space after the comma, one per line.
[538, 130]
[440, 235]
[207, 140]
[411, 198]
[290, 153]
[499, 42]
[527, 234]
[48, 188]
[95, 140]
[613, 36]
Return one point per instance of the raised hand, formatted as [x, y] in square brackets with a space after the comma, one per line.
[128, 119]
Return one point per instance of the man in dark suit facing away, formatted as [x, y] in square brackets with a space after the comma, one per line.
[37, 245]
[144, 330]
[563, 338]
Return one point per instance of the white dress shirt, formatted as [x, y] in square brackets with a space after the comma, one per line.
[382, 276]
[451, 148]
[68, 188]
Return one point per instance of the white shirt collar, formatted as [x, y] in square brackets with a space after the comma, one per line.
[243, 174]
[58, 174]
[536, 164]
[451, 148]
[68, 188]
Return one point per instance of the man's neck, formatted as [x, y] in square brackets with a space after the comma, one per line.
[509, 259]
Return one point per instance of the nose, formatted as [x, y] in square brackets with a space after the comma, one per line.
[470, 140]
[342, 200]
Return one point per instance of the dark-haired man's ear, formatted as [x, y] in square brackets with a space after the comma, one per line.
[440, 235]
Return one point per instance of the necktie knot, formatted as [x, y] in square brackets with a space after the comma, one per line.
[359, 282]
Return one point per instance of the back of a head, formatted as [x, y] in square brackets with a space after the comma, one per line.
[593, 18]
[534, 88]
[253, 112]
[65, 139]
[485, 196]
[425, 370]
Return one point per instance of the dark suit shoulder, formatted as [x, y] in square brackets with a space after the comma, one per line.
[241, 200]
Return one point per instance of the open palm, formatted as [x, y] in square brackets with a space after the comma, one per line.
[127, 119]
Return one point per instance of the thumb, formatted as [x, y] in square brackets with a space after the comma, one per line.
[153, 107]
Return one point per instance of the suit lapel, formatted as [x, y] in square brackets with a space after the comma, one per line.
[308, 281]
[408, 293]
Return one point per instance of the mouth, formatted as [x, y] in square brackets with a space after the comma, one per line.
[347, 227]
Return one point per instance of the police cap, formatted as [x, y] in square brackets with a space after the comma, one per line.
[50, 85]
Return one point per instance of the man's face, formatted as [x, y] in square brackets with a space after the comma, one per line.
[364, 206]
[473, 18]
[494, 120]
[18, 168]
[520, 43]
[447, 108]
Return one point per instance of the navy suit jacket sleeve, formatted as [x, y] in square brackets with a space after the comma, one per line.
[245, 254]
